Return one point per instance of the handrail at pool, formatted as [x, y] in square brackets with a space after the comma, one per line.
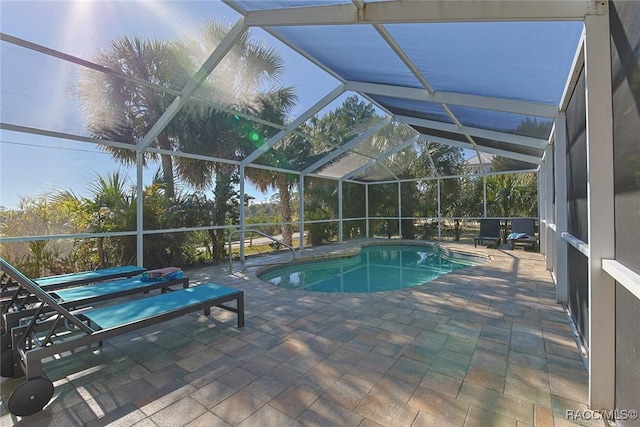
[251, 230]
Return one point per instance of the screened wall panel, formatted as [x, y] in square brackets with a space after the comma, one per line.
[577, 162]
[353, 200]
[625, 51]
[577, 207]
[354, 226]
[627, 358]
[578, 267]
[625, 42]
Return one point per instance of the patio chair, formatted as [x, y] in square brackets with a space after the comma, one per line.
[57, 330]
[80, 278]
[522, 233]
[489, 231]
[16, 299]
[23, 303]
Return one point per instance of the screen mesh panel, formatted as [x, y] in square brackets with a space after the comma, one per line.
[579, 291]
[625, 51]
[577, 162]
[627, 359]
[625, 42]
[577, 207]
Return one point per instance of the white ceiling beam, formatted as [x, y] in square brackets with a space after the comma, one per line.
[483, 149]
[431, 178]
[274, 169]
[576, 68]
[433, 165]
[395, 46]
[484, 102]
[525, 141]
[194, 156]
[397, 49]
[294, 125]
[65, 136]
[390, 12]
[344, 148]
[381, 157]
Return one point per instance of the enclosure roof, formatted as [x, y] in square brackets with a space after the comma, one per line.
[473, 74]
[487, 76]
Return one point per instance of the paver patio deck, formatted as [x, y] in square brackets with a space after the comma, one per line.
[482, 346]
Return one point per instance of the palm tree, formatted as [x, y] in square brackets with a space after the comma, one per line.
[107, 209]
[238, 82]
[123, 110]
[340, 125]
[290, 153]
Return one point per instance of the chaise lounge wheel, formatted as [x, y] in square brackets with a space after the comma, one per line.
[30, 397]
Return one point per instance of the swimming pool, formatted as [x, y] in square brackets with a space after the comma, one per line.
[376, 268]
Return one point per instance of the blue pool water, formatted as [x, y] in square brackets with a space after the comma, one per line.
[375, 269]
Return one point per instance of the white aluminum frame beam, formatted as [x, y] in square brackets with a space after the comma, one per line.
[524, 141]
[560, 159]
[422, 11]
[382, 156]
[474, 101]
[339, 90]
[546, 207]
[504, 153]
[600, 208]
[433, 165]
[576, 68]
[344, 148]
[194, 83]
[463, 176]
[66, 136]
[139, 210]
[397, 49]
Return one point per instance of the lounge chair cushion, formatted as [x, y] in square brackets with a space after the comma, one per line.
[111, 287]
[133, 311]
[88, 276]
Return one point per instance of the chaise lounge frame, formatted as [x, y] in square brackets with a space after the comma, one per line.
[60, 281]
[28, 350]
[527, 226]
[21, 304]
[489, 231]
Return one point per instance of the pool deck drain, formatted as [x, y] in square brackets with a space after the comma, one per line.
[482, 346]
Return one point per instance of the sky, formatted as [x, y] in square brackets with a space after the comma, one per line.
[36, 90]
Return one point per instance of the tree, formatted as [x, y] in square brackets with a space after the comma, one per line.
[516, 194]
[245, 81]
[290, 153]
[337, 128]
[123, 110]
[109, 208]
[35, 216]
[511, 195]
